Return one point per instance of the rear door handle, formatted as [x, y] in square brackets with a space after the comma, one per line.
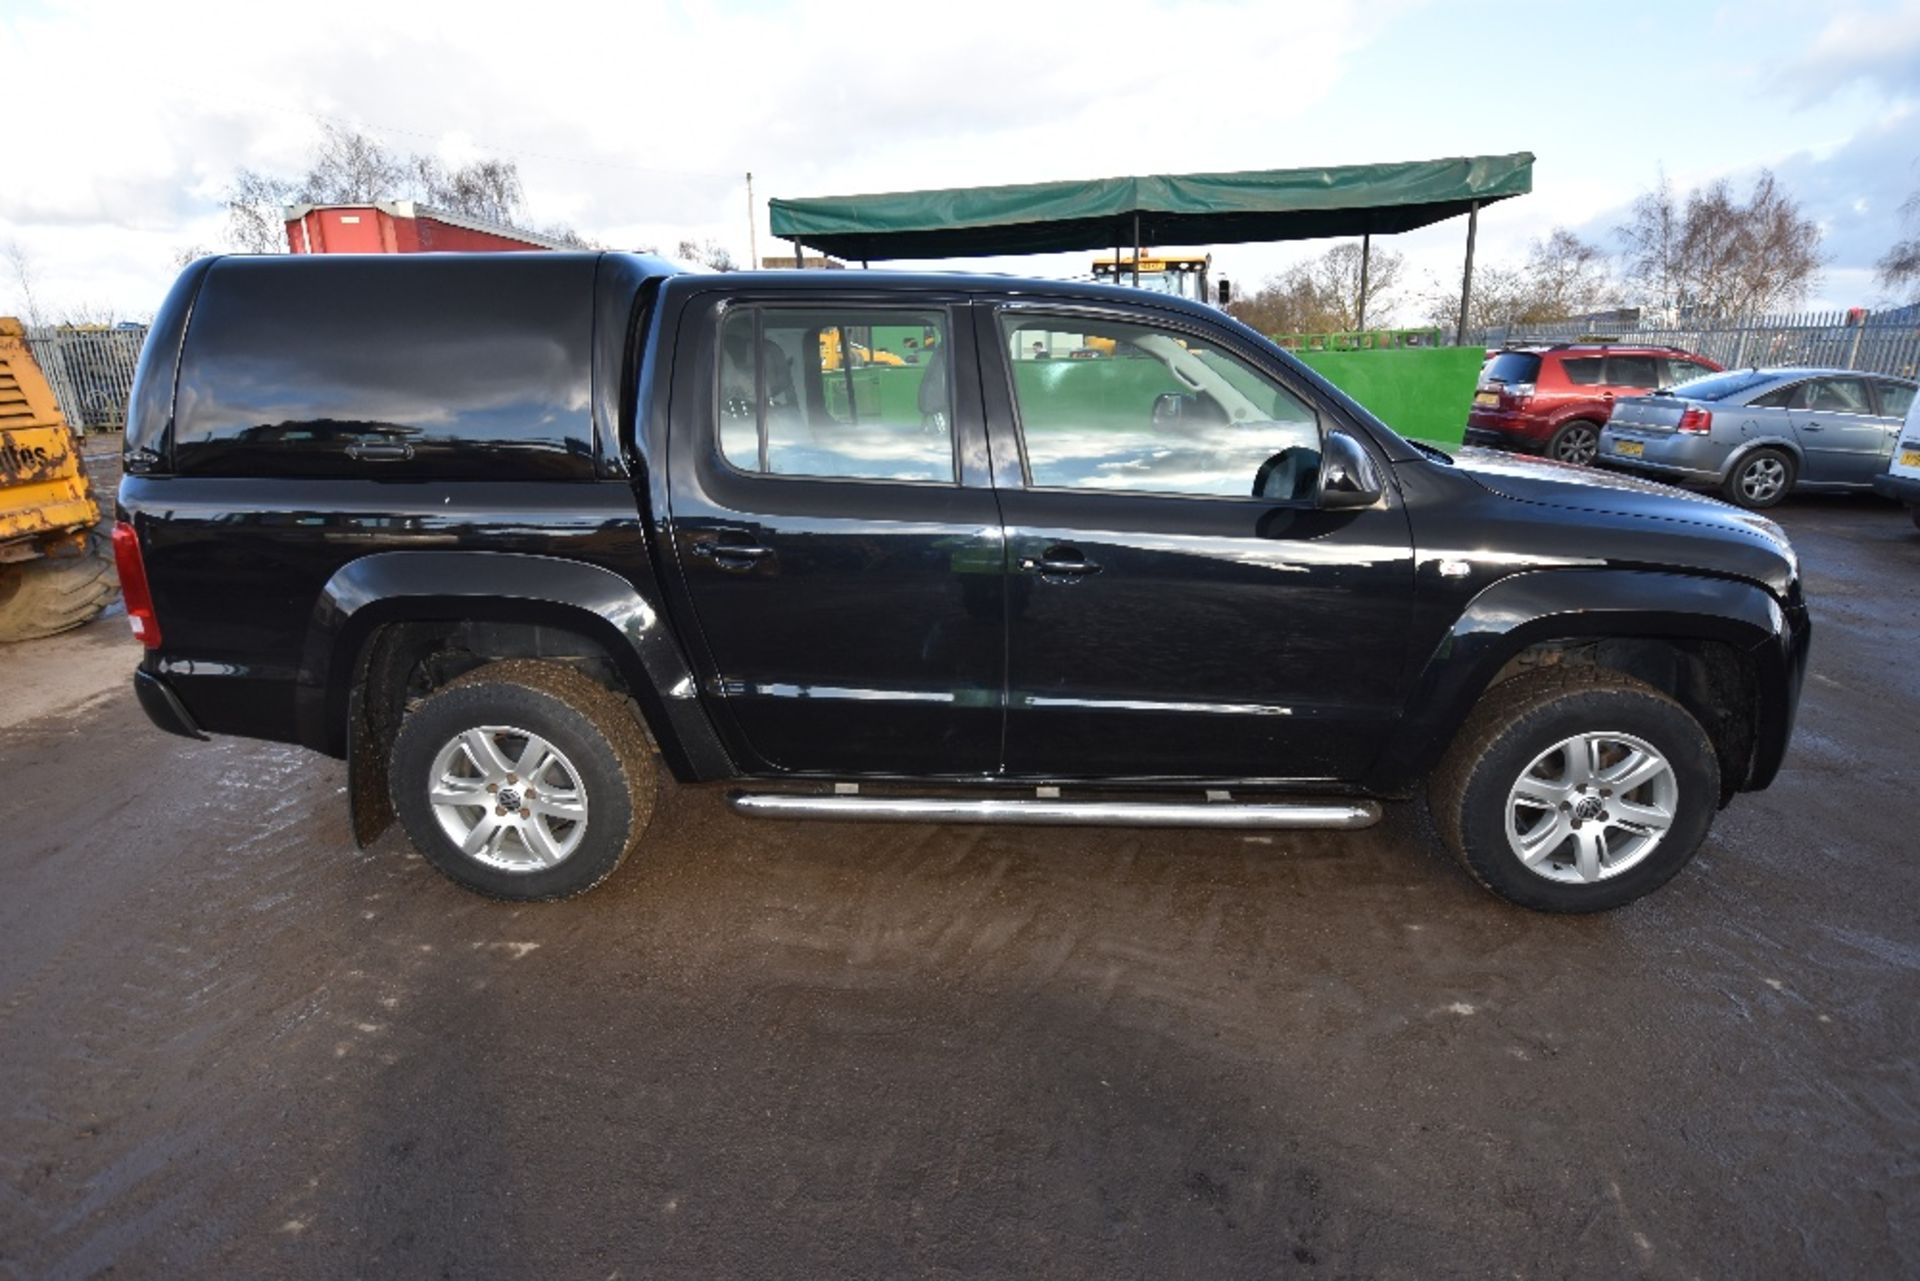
[379, 451]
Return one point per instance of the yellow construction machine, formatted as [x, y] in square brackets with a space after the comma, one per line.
[55, 570]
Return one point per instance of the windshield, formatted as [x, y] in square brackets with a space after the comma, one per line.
[1722, 386]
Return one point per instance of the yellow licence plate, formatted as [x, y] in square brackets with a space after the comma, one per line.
[1629, 448]
[1910, 458]
[1485, 398]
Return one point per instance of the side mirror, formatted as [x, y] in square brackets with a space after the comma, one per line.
[1349, 480]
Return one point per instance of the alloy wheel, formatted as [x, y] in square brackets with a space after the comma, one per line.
[508, 799]
[1591, 807]
[1577, 445]
[1762, 479]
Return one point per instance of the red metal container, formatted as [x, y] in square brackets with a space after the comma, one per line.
[401, 227]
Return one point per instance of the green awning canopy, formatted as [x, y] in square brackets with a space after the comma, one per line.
[1173, 209]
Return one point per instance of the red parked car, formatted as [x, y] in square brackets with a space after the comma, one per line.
[1554, 399]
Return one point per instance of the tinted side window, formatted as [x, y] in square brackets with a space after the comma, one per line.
[1631, 371]
[397, 365]
[1582, 371]
[1116, 406]
[1895, 398]
[1838, 396]
[850, 392]
[1779, 397]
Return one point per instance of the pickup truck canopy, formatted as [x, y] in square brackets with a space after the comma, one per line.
[1204, 208]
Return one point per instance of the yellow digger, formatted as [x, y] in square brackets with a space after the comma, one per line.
[55, 572]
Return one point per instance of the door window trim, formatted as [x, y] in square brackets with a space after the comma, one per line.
[1863, 379]
[729, 307]
[1177, 322]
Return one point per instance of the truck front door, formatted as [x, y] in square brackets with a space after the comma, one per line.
[837, 535]
[1178, 606]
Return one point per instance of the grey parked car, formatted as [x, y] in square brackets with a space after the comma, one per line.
[1757, 434]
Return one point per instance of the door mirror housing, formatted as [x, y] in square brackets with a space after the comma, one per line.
[1349, 478]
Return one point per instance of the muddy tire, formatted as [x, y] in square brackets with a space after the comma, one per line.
[54, 594]
[1575, 790]
[524, 780]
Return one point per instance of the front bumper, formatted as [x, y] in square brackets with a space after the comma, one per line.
[1904, 488]
[163, 707]
[1782, 661]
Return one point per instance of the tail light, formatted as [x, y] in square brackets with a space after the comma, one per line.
[1695, 420]
[133, 585]
[1517, 394]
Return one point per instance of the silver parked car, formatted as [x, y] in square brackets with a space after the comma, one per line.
[1757, 434]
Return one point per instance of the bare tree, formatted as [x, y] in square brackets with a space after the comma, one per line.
[1564, 277]
[1322, 295]
[350, 167]
[1899, 267]
[20, 263]
[1720, 256]
[710, 252]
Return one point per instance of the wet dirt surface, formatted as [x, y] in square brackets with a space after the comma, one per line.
[231, 1045]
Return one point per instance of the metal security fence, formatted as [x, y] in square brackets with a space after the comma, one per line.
[91, 370]
[1883, 343]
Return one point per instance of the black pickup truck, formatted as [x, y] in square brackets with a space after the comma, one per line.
[512, 534]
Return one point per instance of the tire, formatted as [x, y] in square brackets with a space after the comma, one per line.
[1915, 513]
[1576, 441]
[1512, 738]
[598, 759]
[54, 594]
[1761, 479]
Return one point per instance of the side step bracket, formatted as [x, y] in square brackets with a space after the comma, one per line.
[1052, 812]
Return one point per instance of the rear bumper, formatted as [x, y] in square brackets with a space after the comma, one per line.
[1504, 430]
[163, 707]
[1692, 458]
[1904, 488]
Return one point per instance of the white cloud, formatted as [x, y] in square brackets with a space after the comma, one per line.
[635, 123]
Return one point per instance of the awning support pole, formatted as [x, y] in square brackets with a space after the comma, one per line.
[799, 255]
[1366, 252]
[1466, 279]
[1136, 249]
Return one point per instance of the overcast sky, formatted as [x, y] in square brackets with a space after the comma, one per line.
[636, 122]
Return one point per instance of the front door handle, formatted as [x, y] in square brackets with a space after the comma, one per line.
[379, 451]
[1057, 563]
[732, 555]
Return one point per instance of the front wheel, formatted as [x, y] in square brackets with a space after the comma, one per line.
[523, 780]
[1576, 790]
[1761, 479]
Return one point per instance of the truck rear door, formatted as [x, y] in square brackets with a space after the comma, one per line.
[836, 531]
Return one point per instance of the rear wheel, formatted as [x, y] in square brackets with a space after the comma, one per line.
[1761, 479]
[53, 594]
[523, 780]
[1575, 442]
[1576, 790]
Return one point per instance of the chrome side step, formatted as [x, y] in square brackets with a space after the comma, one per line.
[1338, 815]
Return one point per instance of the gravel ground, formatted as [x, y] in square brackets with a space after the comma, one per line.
[233, 1046]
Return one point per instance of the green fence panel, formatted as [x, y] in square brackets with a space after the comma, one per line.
[1423, 392]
